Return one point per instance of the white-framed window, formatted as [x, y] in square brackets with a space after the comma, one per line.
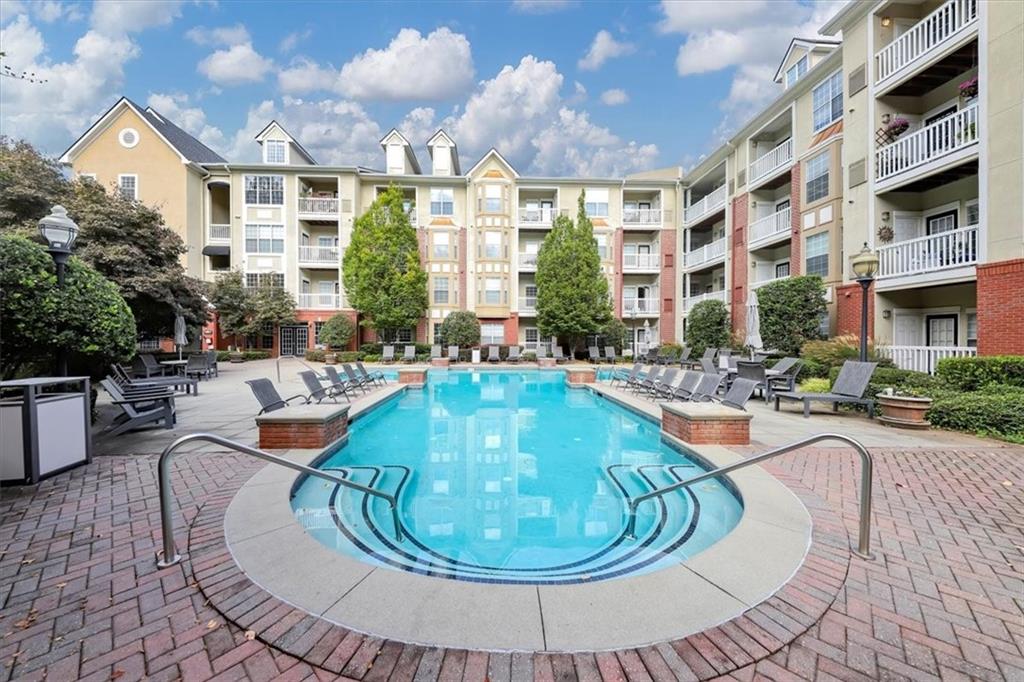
[275, 151]
[264, 190]
[128, 186]
[128, 137]
[492, 198]
[532, 336]
[264, 238]
[596, 202]
[492, 244]
[817, 254]
[817, 176]
[972, 213]
[491, 334]
[602, 245]
[317, 328]
[797, 71]
[264, 279]
[442, 201]
[441, 245]
[827, 100]
[438, 339]
[492, 290]
[441, 290]
[150, 343]
[972, 329]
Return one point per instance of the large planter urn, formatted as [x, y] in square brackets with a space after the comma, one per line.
[235, 356]
[331, 358]
[904, 412]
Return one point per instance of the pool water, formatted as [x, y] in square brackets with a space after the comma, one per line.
[512, 477]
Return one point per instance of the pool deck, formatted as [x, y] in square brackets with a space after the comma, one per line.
[81, 596]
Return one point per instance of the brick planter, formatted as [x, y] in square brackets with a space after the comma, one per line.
[578, 376]
[706, 423]
[303, 426]
[547, 363]
[439, 362]
[415, 378]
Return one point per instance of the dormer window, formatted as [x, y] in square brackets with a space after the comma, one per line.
[796, 72]
[275, 151]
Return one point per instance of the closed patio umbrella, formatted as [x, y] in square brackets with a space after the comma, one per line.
[753, 340]
[180, 334]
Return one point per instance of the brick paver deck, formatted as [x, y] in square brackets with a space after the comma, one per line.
[82, 598]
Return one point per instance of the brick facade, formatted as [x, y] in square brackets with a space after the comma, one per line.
[511, 329]
[303, 426]
[740, 264]
[706, 424]
[1001, 308]
[667, 328]
[848, 306]
[796, 245]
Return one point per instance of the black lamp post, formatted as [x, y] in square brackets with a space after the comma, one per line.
[865, 265]
[60, 233]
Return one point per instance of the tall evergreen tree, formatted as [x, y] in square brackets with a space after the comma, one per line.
[572, 292]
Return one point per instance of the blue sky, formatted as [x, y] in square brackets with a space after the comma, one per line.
[558, 87]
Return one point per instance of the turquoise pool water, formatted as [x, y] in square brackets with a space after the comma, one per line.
[511, 477]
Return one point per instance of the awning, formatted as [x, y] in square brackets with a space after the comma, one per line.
[217, 250]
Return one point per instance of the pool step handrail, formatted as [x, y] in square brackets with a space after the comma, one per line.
[170, 556]
[864, 539]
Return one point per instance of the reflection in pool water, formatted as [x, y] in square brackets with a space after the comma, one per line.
[512, 477]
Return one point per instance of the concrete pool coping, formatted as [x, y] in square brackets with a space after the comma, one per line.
[276, 553]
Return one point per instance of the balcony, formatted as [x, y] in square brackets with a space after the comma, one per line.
[320, 301]
[641, 262]
[691, 301]
[926, 40]
[527, 305]
[706, 255]
[706, 206]
[924, 358]
[760, 283]
[642, 217]
[770, 229]
[318, 207]
[643, 307]
[536, 217]
[936, 253]
[942, 144]
[329, 256]
[769, 164]
[219, 232]
[527, 262]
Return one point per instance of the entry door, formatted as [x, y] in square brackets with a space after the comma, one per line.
[547, 209]
[907, 329]
[941, 251]
[941, 330]
[294, 340]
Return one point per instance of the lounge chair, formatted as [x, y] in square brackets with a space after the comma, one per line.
[268, 396]
[707, 387]
[646, 382]
[684, 357]
[198, 366]
[784, 379]
[453, 354]
[609, 354]
[623, 375]
[435, 352]
[349, 380]
[665, 383]
[318, 392]
[593, 354]
[541, 351]
[738, 394]
[138, 411]
[709, 354]
[409, 355]
[753, 371]
[150, 366]
[493, 354]
[125, 381]
[686, 386]
[634, 381]
[849, 388]
[664, 358]
[708, 366]
[513, 354]
[388, 354]
[652, 356]
[376, 375]
[559, 357]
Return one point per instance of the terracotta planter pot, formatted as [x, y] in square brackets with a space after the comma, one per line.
[235, 357]
[904, 412]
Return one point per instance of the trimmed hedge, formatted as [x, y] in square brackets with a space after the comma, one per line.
[993, 411]
[969, 374]
[225, 356]
[378, 348]
[315, 355]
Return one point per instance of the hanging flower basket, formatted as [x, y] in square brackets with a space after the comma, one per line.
[969, 88]
[897, 126]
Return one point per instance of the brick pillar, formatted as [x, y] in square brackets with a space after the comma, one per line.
[796, 263]
[740, 262]
[667, 286]
[512, 329]
[618, 239]
[848, 306]
[1001, 308]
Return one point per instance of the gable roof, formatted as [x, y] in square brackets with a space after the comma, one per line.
[493, 152]
[409, 153]
[295, 143]
[187, 147]
[809, 44]
[442, 135]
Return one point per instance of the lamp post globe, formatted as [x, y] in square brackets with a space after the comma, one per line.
[865, 266]
[60, 233]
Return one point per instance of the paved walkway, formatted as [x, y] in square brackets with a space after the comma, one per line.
[82, 598]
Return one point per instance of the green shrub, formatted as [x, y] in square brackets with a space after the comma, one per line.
[968, 374]
[613, 333]
[992, 411]
[349, 356]
[371, 357]
[337, 331]
[223, 355]
[461, 328]
[904, 380]
[707, 326]
[315, 355]
[255, 355]
[815, 385]
[672, 350]
[791, 310]
[837, 350]
[530, 356]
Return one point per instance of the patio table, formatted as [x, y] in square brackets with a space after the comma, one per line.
[177, 365]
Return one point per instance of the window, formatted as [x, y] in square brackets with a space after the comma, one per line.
[491, 334]
[397, 335]
[275, 151]
[797, 71]
[128, 185]
[492, 199]
[441, 245]
[149, 344]
[972, 330]
[817, 176]
[317, 326]
[596, 203]
[264, 238]
[972, 215]
[492, 244]
[492, 290]
[824, 326]
[267, 336]
[264, 279]
[437, 333]
[828, 101]
[602, 245]
[442, 201]
[441, 290]
[264, 190]
[817, 254]
[128, 137]
[781, 270]
[532, 337]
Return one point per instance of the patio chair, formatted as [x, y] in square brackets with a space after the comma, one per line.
[593, 354]
[453, 354]
[708, 366]
[493, 354]
[634, 381]
[707, 387]
[732, 361]
[559, 357]
[652, 356]
[709, 354]
[376, 375]
[646, 383]
[784, 379]
[686, 386]
[125, 381]
[664, 384]
[198, 366]
[318, 392]
[409, 355]
[623, 375]
[753, 371]
[388, 354]
[513, 354]
[138, 411]
[435, 352]
[609, 354]
[268, 397]
[738, 394]
[664, 358]
[849, 388]
[684, 357]
[349, 380]
[151, 367]
[212, 361]
[541, 351]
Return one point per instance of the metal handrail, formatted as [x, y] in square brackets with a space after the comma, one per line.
[863, 541]
[295, 357]
[170, 552]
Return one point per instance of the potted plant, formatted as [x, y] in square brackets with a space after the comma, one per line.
[235, 355]
[969, 88]
[896, 127]
[336, 333]
[903, 409]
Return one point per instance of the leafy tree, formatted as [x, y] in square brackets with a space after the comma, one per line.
[461, 328]
[707, 326]
[382, 273]
[572, 292]
[244, 312]
[337, 331]
[791, 311]
[29, 185]
[272, 307]
[87, 317]
[614, 333]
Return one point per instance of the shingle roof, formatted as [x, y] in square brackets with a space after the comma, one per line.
[188, 146]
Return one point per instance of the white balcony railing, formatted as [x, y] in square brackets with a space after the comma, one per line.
[930, 143]
[641, 216]
[640, 306]
[768, 164]
[318, 206]
[774, 225]
[706, 253]
[935, 252]
[321, 255]
[537, 216]
[923, 358]
[641, 261]
[691, 301]
[320, 301]
[760, 283]
[527, 261]
[710, 202]
[925, 37]
[527, 304]
[220, 232]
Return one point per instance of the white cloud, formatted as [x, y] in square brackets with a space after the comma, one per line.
[614, 97]
[412, 66]
[223, 35]
[292, 40]
[579, 94]
[49, 11]
[573, 145]
[128, 16]
[235, 65]
[305, 75]
[418, 126]
[603, 48]
[176, 108]
[541, 6]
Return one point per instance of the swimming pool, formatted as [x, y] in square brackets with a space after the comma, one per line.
[512, 477]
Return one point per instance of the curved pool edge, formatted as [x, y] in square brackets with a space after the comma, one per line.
[273, 550]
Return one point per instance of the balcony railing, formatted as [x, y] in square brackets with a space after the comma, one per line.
[760, 283]
[641, 261]
[930, 143]
[706, 205]
[537, 216]
[318, 206]
[706, 253]
[924, 358]
[641, 216]
[640, 306]
[320, 301]
[527, 304]
[768, 164]
[527, 261]
[932, 253]
[321, 255]
[710, 296]
[220, 232]
[926, 36]
[774, 225]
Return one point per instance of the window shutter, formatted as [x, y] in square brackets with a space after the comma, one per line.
[732, 187]
[858, 79]
[858, 173]
[741, 177]
[346, 205]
